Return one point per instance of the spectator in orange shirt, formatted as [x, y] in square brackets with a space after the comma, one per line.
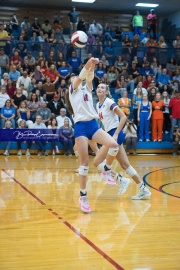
[56, 25]
[158, 107]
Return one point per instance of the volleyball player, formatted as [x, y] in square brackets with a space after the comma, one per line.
[86, 126]
[109, 114]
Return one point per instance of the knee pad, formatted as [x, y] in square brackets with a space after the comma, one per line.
[101, 165]
[83, 170]
[113, 151]
[131, 171]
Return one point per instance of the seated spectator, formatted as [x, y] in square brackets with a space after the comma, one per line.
[7, 145]
[176, 76]
[56, 25]
[145, 39]
[95, 28]
[126, 48]
[41, 90]
[120, 63]
[147, 81]
[8, 113]
[40, 58]
[63, 92]
[130, 130]
[74, 63]
[104, 61]
[97, 48]
[14, 23]
[44, 112]
[52, 42]
[23, 113]
[49, 87]
[32, 86]
[4, 80]
[133, 72]
[38, 94]
[151, 46]
[176, 140]
[46, 27]
[59, 59]
[112, 76]
[171, 67]
[144, 91]
[164, 79]
[21, 47]
[146, 70]
[14, 74]
[144, 116]
[3, 96]
[109, 52]
[22, 125]
[10, 88]
[107, 32]
[81, 26]
[26, 67]
[31, 59]
[136, 44]
[53, 126]
[41, 144]
[124, 103]
[152, 85]
[90, 42]
[64, 72]
[176, 46]
[152, 93]
[162, 51]
[51, 59]
[24, 91]
[55, 106]
[17, 98]
[62, 116]
[66, 136]
[101, 37]
[25, 25]
[43, 67]
[53, 74]
[4, 61]
[99, 75]
[36, 27]
[25, 80]
[137, 98]
[59, 36]
[167, 121]
[38, 74]
[118, 33]
[156, 67]
[34, 42]
[120, 85]
[16, 60]
[33, 105]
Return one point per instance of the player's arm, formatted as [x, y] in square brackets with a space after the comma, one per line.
[122, 121]
[90, 76]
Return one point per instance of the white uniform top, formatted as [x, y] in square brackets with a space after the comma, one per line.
[106, 114]
[82, 103]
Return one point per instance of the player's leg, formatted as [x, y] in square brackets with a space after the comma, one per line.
[81, 143]
[122, 158]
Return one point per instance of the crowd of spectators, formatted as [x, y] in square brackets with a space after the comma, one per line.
[34, 87]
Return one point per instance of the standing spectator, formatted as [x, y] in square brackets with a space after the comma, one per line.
[73, 20]
[136, 43]
[51, 59]
[130, 130]
[3, 97]
[4, 61]
[137, 98]
[176, 45]
[14, 23]
[137, 23]
[3, 35]
[25, 80]
[8, 125]
[97, 48]
[33, 105]
[49, 87]
[152, 19]
[54, 128]
[95, 28]
[74, 63]
[44, 112]
[17, 98]
[81, 26]
[167, 122]
[55, 106]
[25, 25]
[22, 125]
[158, 107]
[174, 109]
[162, 51]
[90, 42]
[8, 113]
[144, 115]
[66, 135]
[125, 103]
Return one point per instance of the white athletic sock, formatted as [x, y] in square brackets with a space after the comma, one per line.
[141, 185]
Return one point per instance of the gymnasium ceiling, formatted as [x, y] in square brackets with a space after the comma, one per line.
[166, 7]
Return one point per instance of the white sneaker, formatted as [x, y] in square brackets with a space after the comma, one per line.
[83, 201]
[140, 140]
[19, 153]
[142, 195]
[6, 153]
[147, 140]
[77, 170]
[106, 175]
[27, 153]
[123, 185]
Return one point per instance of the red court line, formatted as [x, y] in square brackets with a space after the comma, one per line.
[92, 245]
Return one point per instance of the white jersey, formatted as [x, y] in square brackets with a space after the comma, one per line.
[107, 115]
[82, 103]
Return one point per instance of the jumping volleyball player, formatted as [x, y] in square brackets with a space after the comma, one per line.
[109, 114]
[86, 126]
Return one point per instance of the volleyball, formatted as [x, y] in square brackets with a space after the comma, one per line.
[79, 39]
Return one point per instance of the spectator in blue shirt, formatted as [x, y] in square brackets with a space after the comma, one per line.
[146, 70]
[14, 74]
[109, 52]
[99, 75]
[74, 63]
[64, 72]
[164, 79]
[8, 113]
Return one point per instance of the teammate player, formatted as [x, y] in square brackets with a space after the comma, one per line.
[86, 126]
[109, 114]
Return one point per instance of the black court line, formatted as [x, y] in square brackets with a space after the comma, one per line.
[160, 189]
[84, 238]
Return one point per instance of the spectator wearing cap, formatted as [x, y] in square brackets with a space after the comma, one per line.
[174, 110]
[25, 25]
[146, 70]
[64, 72]
[4, 61]
[152, 19]
[36, 27]
[46, 28]
[55, 105]
[30, 58]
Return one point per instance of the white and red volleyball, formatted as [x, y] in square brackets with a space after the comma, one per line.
[79, 39]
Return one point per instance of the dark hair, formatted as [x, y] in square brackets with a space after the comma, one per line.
[36, 100]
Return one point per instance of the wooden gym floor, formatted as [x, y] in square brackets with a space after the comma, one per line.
[42, 227]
